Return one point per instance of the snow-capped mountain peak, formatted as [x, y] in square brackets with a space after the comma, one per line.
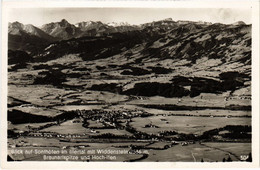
[117, 24]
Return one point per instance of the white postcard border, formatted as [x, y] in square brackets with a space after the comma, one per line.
[6, 5]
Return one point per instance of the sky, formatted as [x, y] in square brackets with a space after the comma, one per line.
[40, 16]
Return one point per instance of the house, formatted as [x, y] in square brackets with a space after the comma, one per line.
[93, 131]
[184, 143]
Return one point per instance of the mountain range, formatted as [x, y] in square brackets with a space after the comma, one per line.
[24, 37]
[195, 57]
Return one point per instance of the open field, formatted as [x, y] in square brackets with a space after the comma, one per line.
[196, 152]
[237, 148]
[69, 127]
[186, 124]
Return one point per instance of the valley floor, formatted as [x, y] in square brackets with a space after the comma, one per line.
[148, 128]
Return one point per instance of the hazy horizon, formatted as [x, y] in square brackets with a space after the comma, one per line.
[134, 16]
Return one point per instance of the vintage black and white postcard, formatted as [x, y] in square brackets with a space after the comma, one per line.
[155, 84]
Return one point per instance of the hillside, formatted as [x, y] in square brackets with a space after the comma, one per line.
[190, 57]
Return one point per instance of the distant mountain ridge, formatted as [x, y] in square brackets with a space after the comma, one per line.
[25, 37]
[65, 30]
[61, 30]
[17, 28]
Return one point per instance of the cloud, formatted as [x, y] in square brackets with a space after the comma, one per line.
[225, 14]
[228, 15]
